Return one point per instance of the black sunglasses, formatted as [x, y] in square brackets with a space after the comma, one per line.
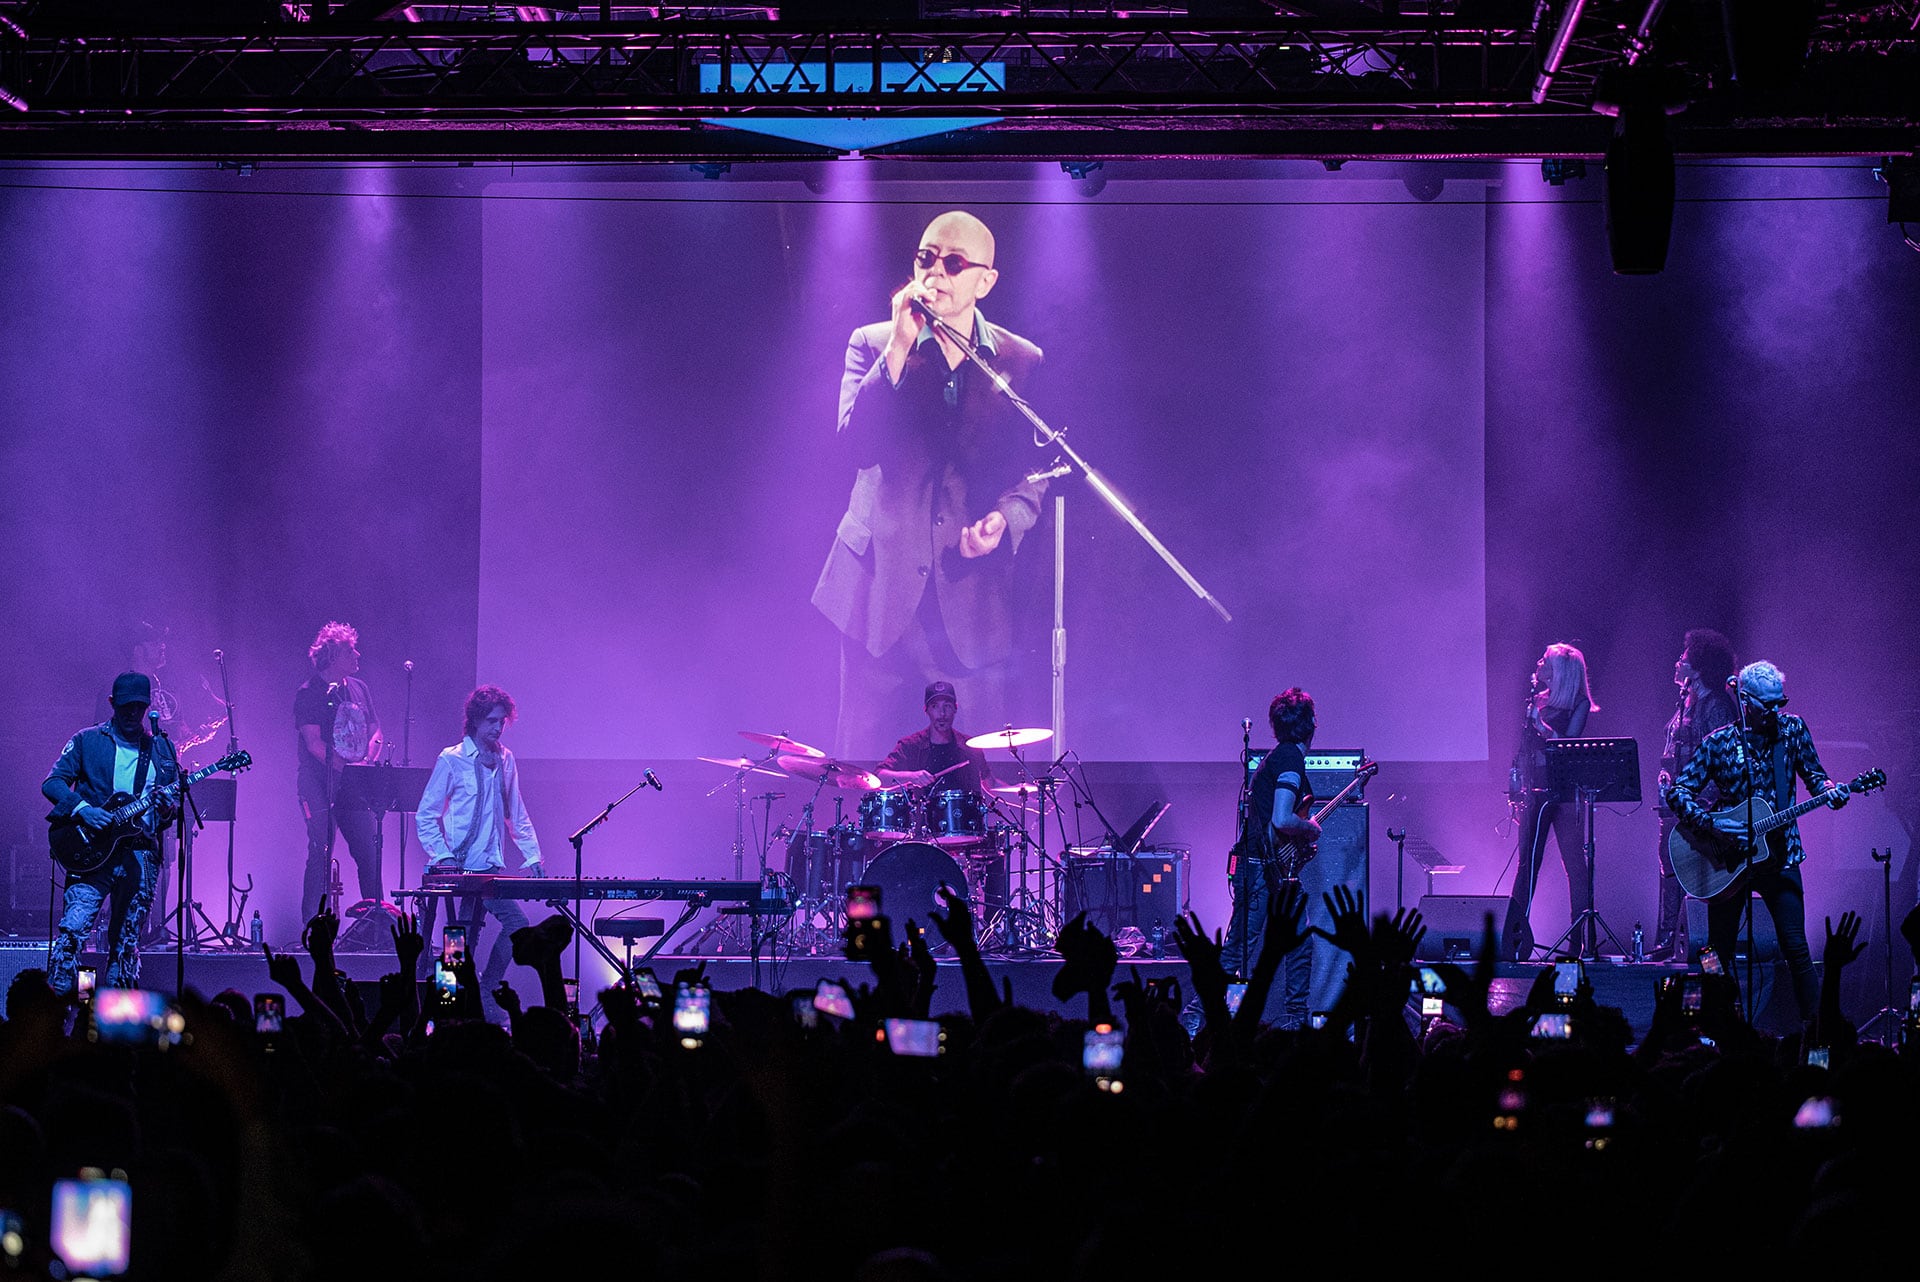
[1767, 705]
[952, 264]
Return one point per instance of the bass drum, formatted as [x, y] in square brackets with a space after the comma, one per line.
[909, 875]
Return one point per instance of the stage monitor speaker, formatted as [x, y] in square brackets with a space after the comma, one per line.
[1459, 925]
[1766, 943]
[1116, 890]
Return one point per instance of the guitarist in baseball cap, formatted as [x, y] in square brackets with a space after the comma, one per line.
[98, 768]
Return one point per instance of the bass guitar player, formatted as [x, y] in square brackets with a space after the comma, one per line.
[1759, 756]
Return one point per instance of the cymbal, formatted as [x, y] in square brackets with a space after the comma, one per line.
[833, 773]
[1010, 738]
[781, 744]
[741, 763]
[1017, 790]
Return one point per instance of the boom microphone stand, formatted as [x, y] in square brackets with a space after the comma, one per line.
[1890, 1036]
[647, 780]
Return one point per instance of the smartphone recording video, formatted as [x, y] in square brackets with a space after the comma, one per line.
[1691, 993]
[863, 903]
[446, 981]
[571, 988]
[269, 1010]
[1553, 1024]
[83, 983]
[1566, 981]
[692, 1011]
[453, 946]
[1432, 1006]
[1236, 993]
[646, 984]
[917, 1037]
[132, 1017]
[1819, 1057]
[1710, 962]
[830, 997]
[92, 1229]
[1104, 1051]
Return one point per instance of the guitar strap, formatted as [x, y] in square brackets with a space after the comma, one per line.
[140, 768]
[1782, 775]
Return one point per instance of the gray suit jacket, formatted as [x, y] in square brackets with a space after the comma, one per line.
[926, 470]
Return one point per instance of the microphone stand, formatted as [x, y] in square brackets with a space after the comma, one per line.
[1049, 437]
[230, 932]
[184, 841]
[577, 840]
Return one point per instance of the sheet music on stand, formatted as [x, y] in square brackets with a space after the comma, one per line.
[1604, 770]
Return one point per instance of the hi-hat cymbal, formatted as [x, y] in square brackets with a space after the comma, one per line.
[741, 763]
[1010, 738]
[834, 773]
[781, 744]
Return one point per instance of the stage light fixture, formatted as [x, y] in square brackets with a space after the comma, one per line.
[1086, 175]
[1555, 172]
[1901, 174]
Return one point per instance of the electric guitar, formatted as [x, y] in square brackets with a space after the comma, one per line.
[81, 852]
[1710, 863]
[1287, 858]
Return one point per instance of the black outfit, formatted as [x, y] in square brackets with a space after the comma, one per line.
[343, 711]
[1690, 723]
[935, 452]
[84, 775]
[1762, 762]
[918, 751]
[1540, 817]
[1254, 880]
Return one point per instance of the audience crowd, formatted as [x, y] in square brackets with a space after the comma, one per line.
[416, 1140]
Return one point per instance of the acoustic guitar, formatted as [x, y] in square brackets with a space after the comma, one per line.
[1718, 860]
[81, 852]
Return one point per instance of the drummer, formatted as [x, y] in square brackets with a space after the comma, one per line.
[918, 758]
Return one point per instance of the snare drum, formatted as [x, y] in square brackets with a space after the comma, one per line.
[957, 818]
[888, 815]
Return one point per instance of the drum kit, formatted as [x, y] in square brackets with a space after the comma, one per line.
[907, 840]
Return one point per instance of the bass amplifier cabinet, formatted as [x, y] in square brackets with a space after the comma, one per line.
[1328, 770]
[1117, 890]
[1458, 926]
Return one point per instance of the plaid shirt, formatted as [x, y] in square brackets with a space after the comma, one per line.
[1723, 761]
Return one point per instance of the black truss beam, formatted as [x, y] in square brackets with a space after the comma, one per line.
[559, 90]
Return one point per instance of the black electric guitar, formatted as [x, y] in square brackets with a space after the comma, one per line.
[1285, 859]
[1710, 863]
[81, 852]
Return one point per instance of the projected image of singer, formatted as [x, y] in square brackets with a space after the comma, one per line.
[919, 579]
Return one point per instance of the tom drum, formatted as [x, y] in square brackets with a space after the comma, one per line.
[888, 815]
[957, 818]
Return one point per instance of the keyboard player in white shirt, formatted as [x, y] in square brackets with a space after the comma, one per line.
[471, 810]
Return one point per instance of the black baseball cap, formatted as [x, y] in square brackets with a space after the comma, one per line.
[132, 687]
[940, 690]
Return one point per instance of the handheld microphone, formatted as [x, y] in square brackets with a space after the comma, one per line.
[653, 781]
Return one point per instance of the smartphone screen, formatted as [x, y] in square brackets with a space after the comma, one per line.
[1566, 981]
[572, 989]
[1818, 1057]
[830, 997]
[93, 1226]
[1553, 1024]
[863, 903]
[446, 980]
[692, 1010]
[647, 984]
[1913, 996]
[128, 1015]
[453, 945]
[917, 1037]
[1430, 981]
[83, 982]
[1709, 962]
[1317, 1019]
[1104, 1050]
[268, 1011]
[1236, 993]
[1690, 994]
[804, 1012]
[1599, 1113]
[1432, 1006]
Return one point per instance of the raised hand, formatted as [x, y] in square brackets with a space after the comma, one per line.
[1203, 955]
[956, 924]
[322, 929]
[1286, 919]
[1398, 940]
[920, 957]
[1350, 933]
[408, 943]
[282, 969]
[1843, 945]
[506, 999]
[1089, 959]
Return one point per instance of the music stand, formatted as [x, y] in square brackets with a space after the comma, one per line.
[1588, 772]
[383, 789]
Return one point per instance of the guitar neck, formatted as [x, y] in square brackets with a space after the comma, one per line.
[139, 805]
[1780, 818]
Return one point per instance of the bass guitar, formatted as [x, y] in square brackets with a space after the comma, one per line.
[1717, 861]
[80, 852]
[1287, 858]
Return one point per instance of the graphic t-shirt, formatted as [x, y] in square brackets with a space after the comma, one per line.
[343, 710]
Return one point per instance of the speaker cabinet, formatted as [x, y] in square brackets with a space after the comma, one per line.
[1458, 925]
[1116, 890]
